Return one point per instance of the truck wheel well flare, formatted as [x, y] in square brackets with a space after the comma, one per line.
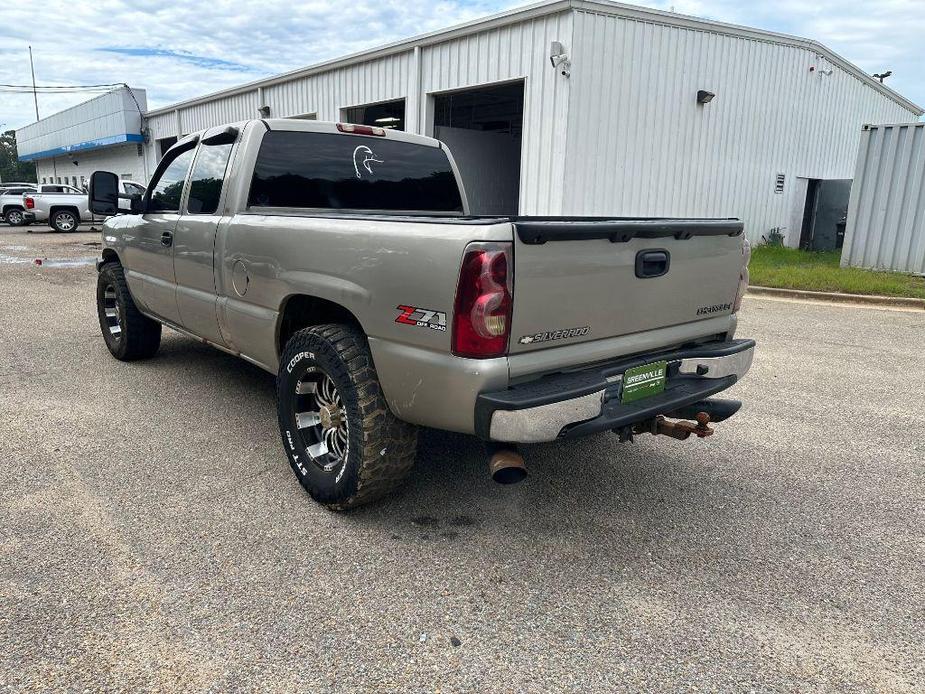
[304, 311]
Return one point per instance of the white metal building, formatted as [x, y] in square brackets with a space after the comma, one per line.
[886, 217]
[102, 133]
[643, 113]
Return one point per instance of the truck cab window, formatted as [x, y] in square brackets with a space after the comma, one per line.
[348, 172]
[207, 178]
[166, 191]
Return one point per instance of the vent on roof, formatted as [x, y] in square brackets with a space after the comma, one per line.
[779, 184]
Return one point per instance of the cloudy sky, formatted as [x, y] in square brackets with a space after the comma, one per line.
[177, 50]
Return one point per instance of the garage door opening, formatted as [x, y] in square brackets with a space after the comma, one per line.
[164, 144]
[483, 128]
[388, 114]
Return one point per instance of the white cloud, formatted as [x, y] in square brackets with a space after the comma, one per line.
[191, 41]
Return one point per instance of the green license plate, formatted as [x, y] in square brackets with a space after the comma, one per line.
[644, 381]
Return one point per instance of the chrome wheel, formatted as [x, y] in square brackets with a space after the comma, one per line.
[112, 312]
[321, 419]
[65, 221]
[14, 218]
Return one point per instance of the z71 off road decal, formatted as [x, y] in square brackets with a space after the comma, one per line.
[422, 318]
[554, 335]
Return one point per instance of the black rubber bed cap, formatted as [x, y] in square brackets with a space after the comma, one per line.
[539, 230]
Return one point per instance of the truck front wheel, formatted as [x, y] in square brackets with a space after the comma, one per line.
[128, 333]
[344, 445]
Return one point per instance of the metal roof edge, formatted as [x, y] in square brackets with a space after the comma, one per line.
[908, 124]
[512, 16]
[540, 9]
[689, 21]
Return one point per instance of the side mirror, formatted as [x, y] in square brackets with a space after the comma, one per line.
[104, 193]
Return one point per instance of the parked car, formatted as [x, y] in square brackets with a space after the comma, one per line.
[65, 207]
[11, 204]
[16, 184]
[343, 259]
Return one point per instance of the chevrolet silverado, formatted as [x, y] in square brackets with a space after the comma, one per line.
[343, 259]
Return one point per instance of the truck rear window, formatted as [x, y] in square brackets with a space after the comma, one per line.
[350, 172]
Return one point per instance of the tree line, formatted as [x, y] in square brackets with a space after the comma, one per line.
[11, 169]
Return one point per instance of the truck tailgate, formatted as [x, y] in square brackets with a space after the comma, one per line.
[581, 280]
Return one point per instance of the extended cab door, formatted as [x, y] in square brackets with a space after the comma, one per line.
[149, 255]
[194, 240]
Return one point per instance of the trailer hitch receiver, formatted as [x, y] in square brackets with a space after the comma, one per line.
[676, 430]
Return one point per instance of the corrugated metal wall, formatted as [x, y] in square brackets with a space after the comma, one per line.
[324, 94]
[624, 135]
[518, 51]
[639, 144]
[503, 54]
[886, 215]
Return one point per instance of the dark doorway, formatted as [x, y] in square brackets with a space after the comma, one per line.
[389, 115]
[824, 214]
[483, 128]
[164, 144]
[809, 210]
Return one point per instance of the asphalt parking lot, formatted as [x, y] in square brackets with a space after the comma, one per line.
[152, 536]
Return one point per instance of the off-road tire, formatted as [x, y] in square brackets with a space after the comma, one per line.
[59, 216]
[10, 214]
[381, 447]
[139, 336]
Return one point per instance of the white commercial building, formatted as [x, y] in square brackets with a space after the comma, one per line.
[587, 107]
[103, 133]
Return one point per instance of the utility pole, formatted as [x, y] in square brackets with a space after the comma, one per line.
[35, 94]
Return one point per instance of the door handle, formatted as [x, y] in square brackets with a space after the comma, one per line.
[167, 239]
[652, 263]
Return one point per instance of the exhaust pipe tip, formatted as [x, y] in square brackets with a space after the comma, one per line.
[507, 467]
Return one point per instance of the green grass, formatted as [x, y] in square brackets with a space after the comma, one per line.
[788, 268]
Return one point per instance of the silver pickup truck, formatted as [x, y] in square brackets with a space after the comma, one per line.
[342, 259]
[65, 207]
[11, 204]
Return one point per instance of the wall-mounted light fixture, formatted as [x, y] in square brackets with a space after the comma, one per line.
[264, 111]
[559, 59]
[704, 97]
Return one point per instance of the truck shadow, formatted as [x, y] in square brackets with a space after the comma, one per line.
[591, 489]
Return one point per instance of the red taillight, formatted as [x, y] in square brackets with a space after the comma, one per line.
[29, 202]
[484, 300]
[352, 129]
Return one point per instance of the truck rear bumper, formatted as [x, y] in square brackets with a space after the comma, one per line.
[588, 401]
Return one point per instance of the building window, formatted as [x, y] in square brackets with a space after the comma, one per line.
[779, 183]
[388, 114]
[126, 177]
[164, 144]
[83, 182]
[43, 180]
